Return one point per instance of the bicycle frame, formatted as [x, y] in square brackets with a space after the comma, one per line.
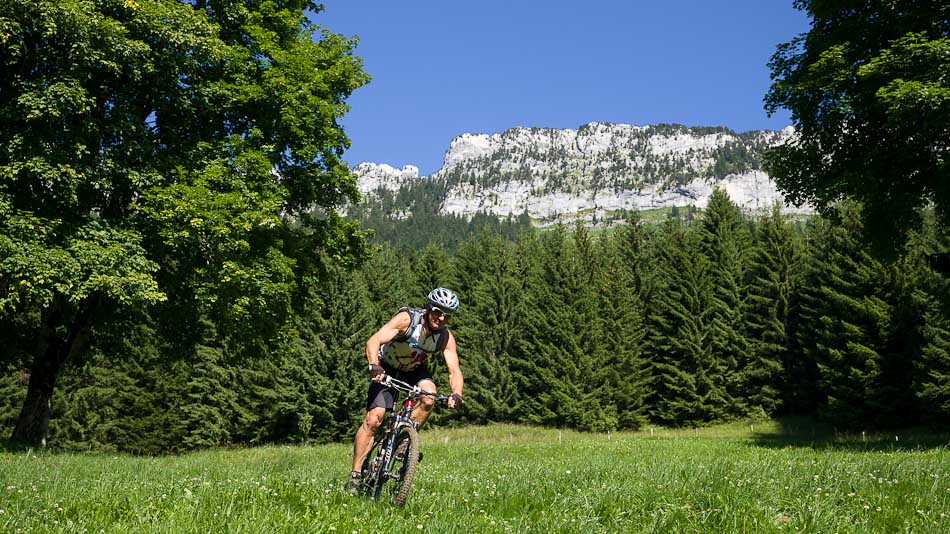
[383, 463]
[403, 415]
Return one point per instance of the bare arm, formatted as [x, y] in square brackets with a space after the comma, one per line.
[398, 324]
[456, 381]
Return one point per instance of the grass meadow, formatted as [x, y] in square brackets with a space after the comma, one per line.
[769, 477]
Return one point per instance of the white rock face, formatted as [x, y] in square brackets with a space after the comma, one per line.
[753, 191]
[371, 176]
[558, 175]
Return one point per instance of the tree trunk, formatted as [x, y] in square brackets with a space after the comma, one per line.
[33, 423]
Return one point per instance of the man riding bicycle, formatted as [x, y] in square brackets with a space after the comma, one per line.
[400, 349]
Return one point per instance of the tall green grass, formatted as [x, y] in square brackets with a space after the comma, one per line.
[733, 478]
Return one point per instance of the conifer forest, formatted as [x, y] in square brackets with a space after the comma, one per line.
[707, 317]
[187, 262]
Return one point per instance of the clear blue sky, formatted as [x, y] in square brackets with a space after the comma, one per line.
[441, 68]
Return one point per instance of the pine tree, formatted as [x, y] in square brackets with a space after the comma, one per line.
[544, 366]
[390, 280]
[685, 389]
[327, 360]
[638, 258]
[12, 393]
[637, 253]
[724, 241]
[845, 323]
[932, 386]
[96, 412]
[775, 262]
[210, 401]
[622, 377]
[595, 308]
[434, 269]
[488, 328]
[931, 383]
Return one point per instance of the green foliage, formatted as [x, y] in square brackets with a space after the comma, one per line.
[725, 241]
[493, 283]
[619, 376]
[210, 401]
[12, 393]
[170, 174]
[848, 315]
[773, 376]
[708, 316]
[548, 354]
[411, 218]
[739, 156]
[434, 270]
[870, 100]
[326, 359]
[933, 386]
[931, 294]
[684, 389]
[168, 153]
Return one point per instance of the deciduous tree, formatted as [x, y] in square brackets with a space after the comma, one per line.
[158, 152]
[868, 87]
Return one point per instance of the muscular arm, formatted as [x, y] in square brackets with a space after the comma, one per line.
[398, 324]
[456, 381]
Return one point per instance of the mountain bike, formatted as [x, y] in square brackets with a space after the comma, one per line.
[395, 453]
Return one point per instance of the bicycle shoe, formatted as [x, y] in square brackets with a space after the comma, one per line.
[353, 484]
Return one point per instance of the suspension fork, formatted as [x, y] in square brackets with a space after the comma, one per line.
[407, 408]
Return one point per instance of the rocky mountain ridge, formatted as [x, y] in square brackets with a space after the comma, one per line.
[593, 172]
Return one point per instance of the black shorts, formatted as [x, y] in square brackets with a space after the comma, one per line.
[382, 396]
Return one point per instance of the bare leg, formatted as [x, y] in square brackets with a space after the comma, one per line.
[422, 410]
[363, 441]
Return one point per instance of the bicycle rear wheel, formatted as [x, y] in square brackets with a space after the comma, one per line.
[401, 467]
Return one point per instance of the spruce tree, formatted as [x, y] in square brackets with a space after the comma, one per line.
[434, 269]
[725, 241]
[96, 412]
[622, 377]
[390, 281]
[685, 386]
[845, 323]
[488, 328]
[772, 283]
[544, 366]
[931, 383]
[210, 401]
[327, 360]
[594, 306]
[637, 252]
[932, 386]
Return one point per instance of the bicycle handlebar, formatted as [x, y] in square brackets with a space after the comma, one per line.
[389, 381]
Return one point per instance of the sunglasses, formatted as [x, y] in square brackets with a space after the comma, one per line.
[439, 311]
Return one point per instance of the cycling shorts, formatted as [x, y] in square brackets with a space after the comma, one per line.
[382, 396]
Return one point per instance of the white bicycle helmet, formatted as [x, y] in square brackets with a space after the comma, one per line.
[444, 299]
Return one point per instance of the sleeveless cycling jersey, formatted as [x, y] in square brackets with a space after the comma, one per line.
[412, 348]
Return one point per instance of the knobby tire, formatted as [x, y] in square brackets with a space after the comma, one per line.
[403, 469]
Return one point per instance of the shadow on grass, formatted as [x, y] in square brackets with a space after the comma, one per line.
[808, 433]
[13, 447]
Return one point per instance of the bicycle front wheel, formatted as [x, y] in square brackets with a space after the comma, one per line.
[398, 472]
